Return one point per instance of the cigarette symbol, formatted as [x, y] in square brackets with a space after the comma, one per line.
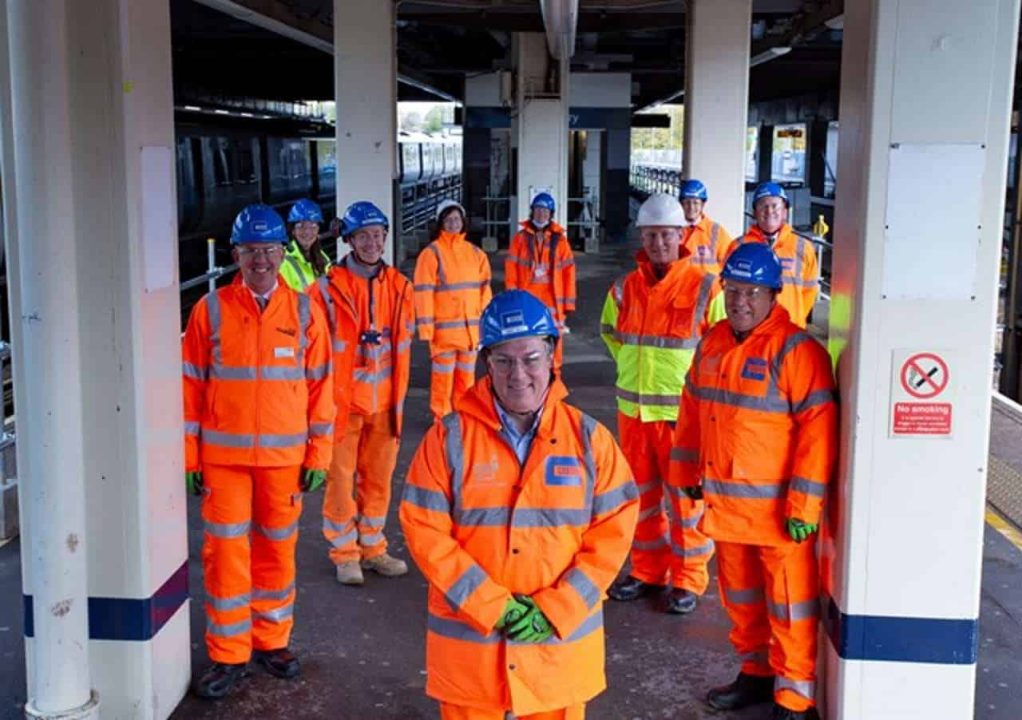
[919, 383]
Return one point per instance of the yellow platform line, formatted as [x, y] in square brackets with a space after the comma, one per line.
[1009, 531]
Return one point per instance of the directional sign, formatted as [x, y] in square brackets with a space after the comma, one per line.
[924, 375]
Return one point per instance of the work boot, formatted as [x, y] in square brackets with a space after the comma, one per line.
[280, 663]
[631, 588]
[386, 565]
[782, 713]
[744, 691]
[679, 601]
[350, 573]
[218, 680]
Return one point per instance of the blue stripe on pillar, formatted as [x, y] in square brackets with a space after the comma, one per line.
[129, 618]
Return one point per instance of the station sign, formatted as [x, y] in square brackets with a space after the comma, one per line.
[922, 394]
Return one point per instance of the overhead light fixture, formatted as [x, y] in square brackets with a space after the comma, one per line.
[769, 54]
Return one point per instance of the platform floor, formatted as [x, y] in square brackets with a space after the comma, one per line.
[363, 649]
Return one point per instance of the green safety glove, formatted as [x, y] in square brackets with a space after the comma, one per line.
[514, 611]
[800, 530]
[533, 628]
[312, 480]
[193, 481]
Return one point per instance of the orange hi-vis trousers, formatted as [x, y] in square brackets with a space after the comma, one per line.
[461, 712]
[771, 595]
[665, 549]
[250, 516]
[454, 372]
[357, 494]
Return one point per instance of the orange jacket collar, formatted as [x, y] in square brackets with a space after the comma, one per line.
[479, 400]
[449, 237]
[756, 234]
[778, 318]
[646, 267]
[553, 227]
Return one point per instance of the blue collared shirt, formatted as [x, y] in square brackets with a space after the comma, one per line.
[519, 441]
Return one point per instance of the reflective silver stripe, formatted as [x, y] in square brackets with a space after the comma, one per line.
[228, 630]
[374, 352]
[450, 628]
[804, 610]
[644, 399]
[523, 517]
[690, 522]
[191, 370]
[650, 512]
[807, 486]
[467, 285]
[735, 399]
[317, 373]
[613, 499]
[792, 342]
[814, 399]
[304, 321]
[699, 551]
[483, 517]
[450, 324]
[588, 459]
[222, 372]
[273, 372]
[442, 368]
[747, 596]
[371, 539]
[684, 455]
[453, 453]
[801, 283]
[441, 276]
[464, 586]
[803, 687]
[321, 429]
[363, 375]
[466, 367]
[714, 235]
[426, 499]
[518, 260]
[654, 544]
[669, 343]
[191, 428]
[299, 271]
[231, 603]
[348, 536]
[278, 615]
[213, 309]
[373, 522]
[705, 288]
[284, 533]
[282, 594]
[585, 587]
[800, 248]
[333, 526]
[427, 320]
[283, 441]
[423, 287]
[565, 263]
[226, 530]
[745, 490]
[648, 486]
[447, 355]
[331, 312]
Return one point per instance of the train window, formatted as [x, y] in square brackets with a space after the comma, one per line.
[222, 162]
[830, 161]
[246, 162]
[752, 154]
[788, 163]
[289, 161]
[326, 155]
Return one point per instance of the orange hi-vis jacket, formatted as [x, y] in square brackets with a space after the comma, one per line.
[452, 286]
[707, 243]
[332, 294]
[757, 430]
[481, 527]
[258, 387]
[382, 301]
[800, 271]
[541, 262]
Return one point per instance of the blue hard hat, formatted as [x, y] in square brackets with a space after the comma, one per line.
[515, 314]
[693, 189]
[544, 200]
[769, 189]
[258, 223]
[362, 214]
[753, 263]
[305, 210]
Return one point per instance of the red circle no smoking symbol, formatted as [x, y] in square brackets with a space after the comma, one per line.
[924, 375]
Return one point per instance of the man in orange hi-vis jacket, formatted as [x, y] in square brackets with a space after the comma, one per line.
[756, 439]
[706, 242]
[375, 302]
[452, 286]
[540, 261]
[800, 269]
[518, 509]
[258, 413]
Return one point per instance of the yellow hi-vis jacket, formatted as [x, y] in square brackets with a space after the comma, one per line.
[298, 272]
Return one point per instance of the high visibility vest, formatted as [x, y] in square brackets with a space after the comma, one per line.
[258, 387]
[298, 272]
[758, 430]
[651, 328]
[541, 262]
[383, 307]
[706, 243]
[332, 295]
[452, 287]
[800, 271]
[481, 527]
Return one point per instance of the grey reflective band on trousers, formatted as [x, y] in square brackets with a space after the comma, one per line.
[229, 630]
[231, 603]
[802, 687]
[282, 594]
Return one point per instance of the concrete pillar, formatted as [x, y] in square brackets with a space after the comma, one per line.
[365, 80]
[716, 103]
[926, 92]
[541, 123]
[100, 447]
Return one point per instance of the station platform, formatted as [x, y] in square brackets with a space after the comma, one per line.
[362, 649]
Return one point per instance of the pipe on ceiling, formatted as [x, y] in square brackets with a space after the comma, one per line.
[560, 17]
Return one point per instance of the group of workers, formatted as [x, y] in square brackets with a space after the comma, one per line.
[518, 508]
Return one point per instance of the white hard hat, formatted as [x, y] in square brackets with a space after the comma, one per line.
[446, 204]
[662, 210]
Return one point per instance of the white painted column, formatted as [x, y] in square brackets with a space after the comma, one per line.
[98, 374]
[365, 81]
[541, 124]
[717, 104]
[926, 92]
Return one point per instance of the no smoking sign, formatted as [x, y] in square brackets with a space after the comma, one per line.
[922, 403]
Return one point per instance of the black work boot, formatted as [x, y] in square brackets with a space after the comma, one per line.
[744, 691]
[631, 588]
[782, 713]
[679, 601]
[280, 663]
[218, 680]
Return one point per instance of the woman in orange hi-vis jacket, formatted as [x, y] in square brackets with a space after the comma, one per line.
[801, 272]
[374, 301]
[518, 509]
[756, 439]
[540, 261]
[705, 241]
[258, 413]
[452, 286]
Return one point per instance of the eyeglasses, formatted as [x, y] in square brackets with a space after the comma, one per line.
[267, 252]
[505, 365]
[746, 293]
